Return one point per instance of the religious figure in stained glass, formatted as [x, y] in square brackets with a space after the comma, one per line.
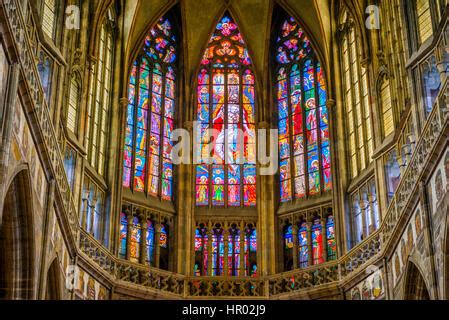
[330, 236]
[303, 246]
[317, 242]
[226, 104]
[147, 163]
[303, 121]
[123, 234]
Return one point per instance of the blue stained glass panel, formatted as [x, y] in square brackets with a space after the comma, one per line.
[234, 174]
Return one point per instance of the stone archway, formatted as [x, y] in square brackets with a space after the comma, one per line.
[53, 291]
[17, 241]
[415, 285]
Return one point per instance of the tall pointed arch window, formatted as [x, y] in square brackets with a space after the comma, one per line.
[303, 121]
[49, 17]
[73, 104]
[100, 96]
[357, 102]
[226, 174]
[147, 164]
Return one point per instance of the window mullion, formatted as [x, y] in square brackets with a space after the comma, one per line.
[211, 127]
[226, 140]
[135, 110]
[161, 133]
[290, 133]
[362, 112]
[101, 102]
[304, 132]
[149, 156]
[318, 122]
[353, 97]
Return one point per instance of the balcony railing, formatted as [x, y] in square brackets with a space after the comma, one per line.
[37, 110]
[364, 254]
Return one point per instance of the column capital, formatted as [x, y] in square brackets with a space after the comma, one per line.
[188, 125]
[263, 125]
[330, 103]
[123, 102]
[91, 61]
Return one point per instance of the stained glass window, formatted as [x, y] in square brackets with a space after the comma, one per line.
[392, 173]
[217, 252]
[135, 240]
[330, 236]
[201, 251]
[236, 246]
[288, 247]
[45, 69]
[251, 252]
[317, 242]
[288, 237]
[234, 252]
[70, 165]
[432, 83]
[303, 121]
[303, 245]
[123, 235]
[150, 242]
[164, 247]
[94, 218]
[226, 104]
[147, 163]
[163, 239]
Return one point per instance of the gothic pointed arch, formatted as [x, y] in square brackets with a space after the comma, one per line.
[17, 241]
[150, 115]
[300, 94]
[225, 145]
[415, 287]
[53, 289]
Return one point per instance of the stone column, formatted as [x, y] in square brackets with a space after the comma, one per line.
[324, 238]
[210, 255]
[242, 249]
[157, 247]
[44, 254]
[143, 238]
[295, 246]
[226, 250]
[309, 241]
[7, 116]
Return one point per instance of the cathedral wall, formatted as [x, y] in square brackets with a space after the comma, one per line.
[88, 288]
[23, 152]
[412, 247]
[371, 288]
[438, 199]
